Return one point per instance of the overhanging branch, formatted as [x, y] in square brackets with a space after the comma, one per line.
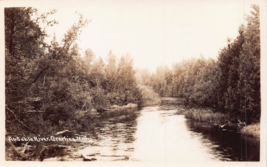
[20, 121]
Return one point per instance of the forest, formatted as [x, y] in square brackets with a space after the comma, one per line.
[50, 86]
[230, 84]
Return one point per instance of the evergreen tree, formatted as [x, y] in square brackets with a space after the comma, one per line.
[249, 69]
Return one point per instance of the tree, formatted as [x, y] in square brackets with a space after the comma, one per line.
[126, 83]
[111, 71]
[249, 69]
[42, 87]
[24, 49]
[232, 94]
[143, 76]
[89, 57]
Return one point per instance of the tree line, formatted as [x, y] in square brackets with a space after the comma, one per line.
[230, 84]
[48, 82]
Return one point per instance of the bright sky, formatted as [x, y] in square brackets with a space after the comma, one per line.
[154, 32]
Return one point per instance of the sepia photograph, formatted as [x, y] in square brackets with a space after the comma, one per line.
[133, 81]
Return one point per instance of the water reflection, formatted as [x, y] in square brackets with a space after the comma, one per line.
[163, 136]
[227, 146]
[115, 136]
[157, 134]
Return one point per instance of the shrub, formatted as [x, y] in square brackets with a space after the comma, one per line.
[252, 130]
[149, 97]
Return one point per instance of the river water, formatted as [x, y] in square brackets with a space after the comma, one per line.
[157, 134]
[162, 135]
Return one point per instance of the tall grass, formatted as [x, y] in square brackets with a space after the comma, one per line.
[206, 115]
[180, 111]
[252, 130]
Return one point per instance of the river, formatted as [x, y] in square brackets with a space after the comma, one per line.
[157, 134]
[162, 135]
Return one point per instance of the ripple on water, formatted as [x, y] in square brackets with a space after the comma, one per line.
[156, 134]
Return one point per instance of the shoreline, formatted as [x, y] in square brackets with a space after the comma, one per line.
[220, 119]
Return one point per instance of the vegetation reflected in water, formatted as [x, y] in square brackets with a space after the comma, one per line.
[227, 146]
[115, 135]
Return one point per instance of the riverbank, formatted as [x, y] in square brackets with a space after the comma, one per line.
[112, 139]
[222, 120]
[252, 130]
[206, 115]
[115, 123]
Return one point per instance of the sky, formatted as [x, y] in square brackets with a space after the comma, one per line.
[153, 32]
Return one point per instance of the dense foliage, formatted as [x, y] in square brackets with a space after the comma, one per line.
[230, 84]
[49, 84]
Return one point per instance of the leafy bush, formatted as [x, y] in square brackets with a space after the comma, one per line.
[252, 130]
[149, 97]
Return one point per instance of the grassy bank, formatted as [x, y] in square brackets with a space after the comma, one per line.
[252, 130]
[205, 115]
